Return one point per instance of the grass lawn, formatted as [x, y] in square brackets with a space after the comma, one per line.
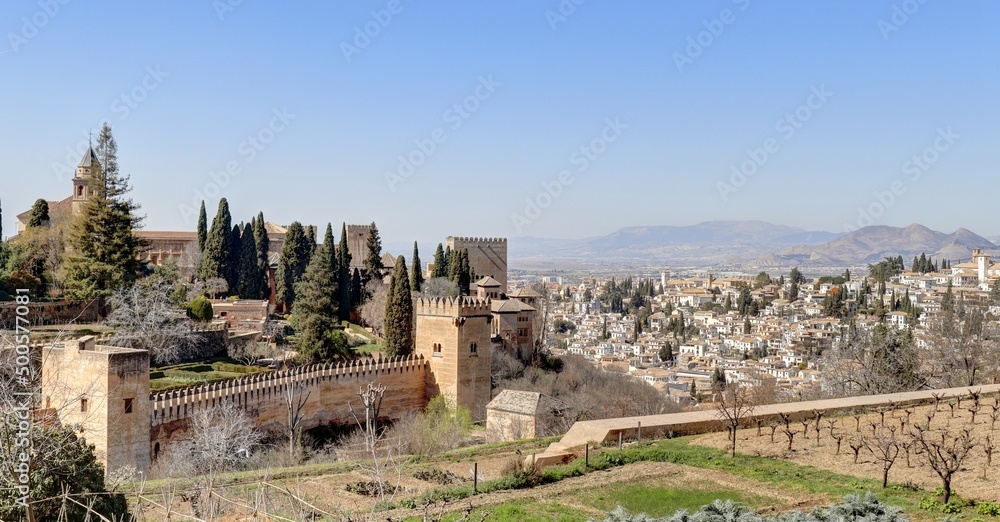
[660, 502]
[368, 348]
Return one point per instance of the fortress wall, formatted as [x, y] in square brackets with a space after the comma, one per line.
[329, 389]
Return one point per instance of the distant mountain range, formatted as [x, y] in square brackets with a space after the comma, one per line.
[749, 244]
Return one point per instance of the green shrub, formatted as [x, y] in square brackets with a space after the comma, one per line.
[233, 368]
[200, 309]
[989, 509]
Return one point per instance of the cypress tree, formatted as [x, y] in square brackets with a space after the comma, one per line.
[440, 265]
[105, 250]
[311, 240]
[332, 259]
[344, 262]
[316, 307]
[249, 271]
[448, 256]
[202, 227]
[235, 249]
[262, 244]
[215, 258]
[399, 312]
[292, 263]
[464, 278]
[373, 260]
[39, 216]
[357, 287]
[418, 271]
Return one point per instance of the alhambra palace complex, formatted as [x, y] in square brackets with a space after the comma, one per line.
[107, 392]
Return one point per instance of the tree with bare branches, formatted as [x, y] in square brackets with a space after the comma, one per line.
[885, 446]
[736, 403]
[945, 452]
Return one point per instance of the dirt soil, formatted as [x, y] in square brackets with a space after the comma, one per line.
[969, 482]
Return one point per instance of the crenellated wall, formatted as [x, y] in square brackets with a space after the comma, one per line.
[487, 256]
[329, 388]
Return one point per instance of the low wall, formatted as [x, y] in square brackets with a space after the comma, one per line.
[330, 388]
[55, 312]
[706, 421]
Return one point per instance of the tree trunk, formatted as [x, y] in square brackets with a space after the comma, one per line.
[947, 489]
[885, 478]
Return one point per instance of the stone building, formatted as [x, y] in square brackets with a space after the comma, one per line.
[105, 391]
[453, 335]
[515, 415]
[88, 167]
[487, 256]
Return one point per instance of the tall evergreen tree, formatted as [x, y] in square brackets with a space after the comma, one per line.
[105, 250]
[235, 248]
[311, 240]
[418, 272]
[440, 265]
[464, 277]
[202, 227]
[449, 254]
[357, 288]
[292, 263]
[330, 242]
[373, 260]
[39, 216]
[344, 262]
[316, 308]
[215, 259]
[262, 243]
[250, 274]
[948, 301]
[399, 312]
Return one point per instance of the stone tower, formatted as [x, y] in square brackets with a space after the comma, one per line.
[453, 335]
[89, 167]
[487, 256]
[104, 392]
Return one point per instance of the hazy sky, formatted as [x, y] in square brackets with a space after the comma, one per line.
[312, 104]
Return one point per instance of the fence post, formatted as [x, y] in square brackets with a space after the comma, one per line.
[638, 433]
[475, 478]
[586, 457]
[619, 441]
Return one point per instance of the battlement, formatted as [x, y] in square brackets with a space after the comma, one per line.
[479, 240]
[453, 306]
[173, 405]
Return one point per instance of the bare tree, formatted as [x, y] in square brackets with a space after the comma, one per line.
[371, 399]
[945, 452]
[296, 398]
[736, 403]
[870, 363]
[144, 317]
[439, 287]
[885, 447]
[216, 286]
[963, 349]
[373, 309]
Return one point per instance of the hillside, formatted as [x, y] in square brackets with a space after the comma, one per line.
[872, 244]
[708, 243]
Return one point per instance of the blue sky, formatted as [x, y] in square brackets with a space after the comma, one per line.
[201, 78]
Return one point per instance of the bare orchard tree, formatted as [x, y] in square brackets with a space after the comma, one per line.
[885, 446]
[296, 398]
[736, 404]
[373, 310]
[945, 452]
[144, 317]
[249, 351]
